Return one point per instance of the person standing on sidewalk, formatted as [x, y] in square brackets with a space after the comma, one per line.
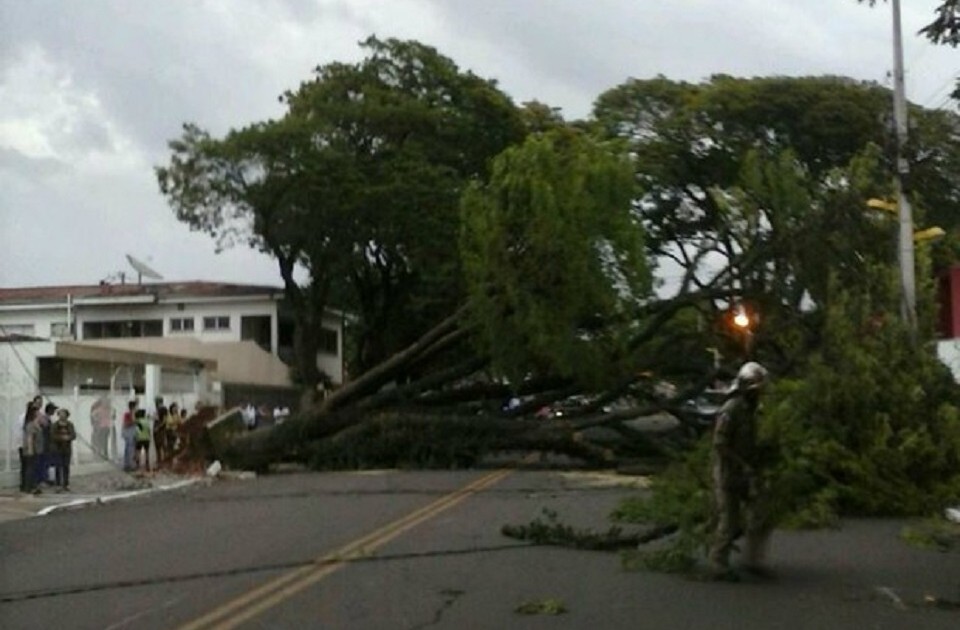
[26, 463]
[736, 477]
[32, 439]
[44, 459]
[63, 434]
[100, 422]
[142, 439]
[160, 433]
[128, 431]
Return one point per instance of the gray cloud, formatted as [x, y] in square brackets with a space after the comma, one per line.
[15, 164]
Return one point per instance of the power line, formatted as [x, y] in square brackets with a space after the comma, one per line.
[936, 93]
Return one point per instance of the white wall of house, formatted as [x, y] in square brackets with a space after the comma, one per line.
[226, 313]
[194, 311]
[19, 371]
[50, 321]
[19, 383]
[38, 322]
[332, 364]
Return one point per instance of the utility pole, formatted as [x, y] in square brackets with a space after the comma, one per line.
[908, 282]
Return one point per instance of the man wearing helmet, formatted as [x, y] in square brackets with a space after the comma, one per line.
[734, 475]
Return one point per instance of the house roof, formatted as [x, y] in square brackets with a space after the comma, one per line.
[160, 290]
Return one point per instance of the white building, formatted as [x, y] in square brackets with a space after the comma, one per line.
[190, 342]
[208, 311]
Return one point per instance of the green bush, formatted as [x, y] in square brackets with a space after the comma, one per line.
[868, 425]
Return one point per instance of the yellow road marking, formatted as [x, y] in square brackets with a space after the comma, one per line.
[260, 599]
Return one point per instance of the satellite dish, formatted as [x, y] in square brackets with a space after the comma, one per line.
[143, 270]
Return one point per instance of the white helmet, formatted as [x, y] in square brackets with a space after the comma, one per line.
[752, 375]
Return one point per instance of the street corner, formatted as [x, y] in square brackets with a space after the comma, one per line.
[16, 505]
[15, 508]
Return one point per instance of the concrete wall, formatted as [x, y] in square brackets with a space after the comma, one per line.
[948, 351]
[332, 363]
[33, 322]
[19, 372]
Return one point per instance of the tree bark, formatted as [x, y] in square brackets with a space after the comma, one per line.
[374, 379]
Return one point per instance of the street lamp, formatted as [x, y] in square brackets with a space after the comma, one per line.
[743, 323]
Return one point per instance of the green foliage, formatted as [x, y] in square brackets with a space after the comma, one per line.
[548, 606]
[413, 129]
[554, 259]
[404, 441]
[548, 530]
[772, 174]
[680, 497]
[358, 184]
[871, 426]
[867, 425]
[933, 533]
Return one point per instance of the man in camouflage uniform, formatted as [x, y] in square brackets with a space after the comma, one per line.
[735, 476]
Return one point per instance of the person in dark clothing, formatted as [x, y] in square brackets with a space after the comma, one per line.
[44, 459]
[129, 432]
[26, 463]
[62, 435]
[32, 439]
[160, 434]
[736, 477]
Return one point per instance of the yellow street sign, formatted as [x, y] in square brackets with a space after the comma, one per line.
[882, 204]
[928, 234]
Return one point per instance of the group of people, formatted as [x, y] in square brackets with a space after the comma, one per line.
[139, 431]
[253, 416]
[46, 442]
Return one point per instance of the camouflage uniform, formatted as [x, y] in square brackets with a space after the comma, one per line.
[736, 484]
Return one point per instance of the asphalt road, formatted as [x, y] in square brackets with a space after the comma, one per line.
[431, 557]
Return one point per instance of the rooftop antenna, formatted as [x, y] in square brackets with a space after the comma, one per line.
[143, 270]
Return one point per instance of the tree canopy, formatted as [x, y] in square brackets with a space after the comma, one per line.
[759, 186]
[554, 258]
[357, 184]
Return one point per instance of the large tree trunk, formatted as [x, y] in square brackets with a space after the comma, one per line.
[306, 342]
[376, 378]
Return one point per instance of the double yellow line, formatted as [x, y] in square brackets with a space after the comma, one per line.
[262, 598]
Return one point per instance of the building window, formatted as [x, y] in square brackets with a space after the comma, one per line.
[256, 328]
[220, 322]
[119, 329]
[181, 324]
[329, 341]
[60, 330]
[51, 373]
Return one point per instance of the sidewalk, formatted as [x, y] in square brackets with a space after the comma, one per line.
[89, 488]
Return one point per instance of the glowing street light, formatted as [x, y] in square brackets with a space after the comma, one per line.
[743, 322]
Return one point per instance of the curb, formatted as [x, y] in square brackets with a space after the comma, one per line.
[81, 503]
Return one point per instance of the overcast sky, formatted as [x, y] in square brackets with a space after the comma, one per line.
[91, 91]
